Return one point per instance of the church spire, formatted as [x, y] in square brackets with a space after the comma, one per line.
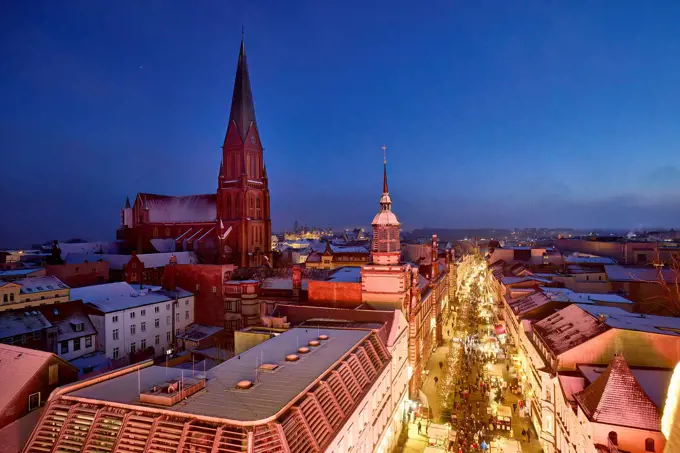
[242, 108]
[384, 148]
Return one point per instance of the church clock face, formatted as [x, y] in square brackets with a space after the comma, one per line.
[252, 140]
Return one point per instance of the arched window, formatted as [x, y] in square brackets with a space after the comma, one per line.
[613, 437]
[257, 207]
[257, 166]
[4, 298]
[247, 165]
[250, 205]
[155, 232]
[237, 206]
[11, 297]
[253, 168]
[649, 444]
[167, 231]
[228, 206]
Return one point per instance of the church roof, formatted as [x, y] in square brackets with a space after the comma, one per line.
[385, 218]
[616, 398]
[242, 107]
[189, 208]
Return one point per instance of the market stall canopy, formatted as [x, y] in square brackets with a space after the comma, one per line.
[504, 411]
[438, 432]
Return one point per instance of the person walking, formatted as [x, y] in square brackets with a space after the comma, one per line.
[514, 407]
[419, 428]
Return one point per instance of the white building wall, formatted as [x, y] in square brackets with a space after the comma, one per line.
[169, 317]
[72, 354]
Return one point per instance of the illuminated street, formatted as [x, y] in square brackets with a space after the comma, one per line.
[467, 383]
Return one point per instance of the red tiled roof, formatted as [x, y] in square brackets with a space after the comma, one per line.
[17, 367]
[616, 398]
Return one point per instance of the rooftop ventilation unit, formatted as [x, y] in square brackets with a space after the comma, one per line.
[323, 337]
[244, 385]
[314, 343]
[171, 392]
[292, 358]
[303, 350]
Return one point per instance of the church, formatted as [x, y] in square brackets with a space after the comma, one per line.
[230, 226]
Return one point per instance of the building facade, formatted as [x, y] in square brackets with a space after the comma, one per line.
[32, 292]
[131, 321]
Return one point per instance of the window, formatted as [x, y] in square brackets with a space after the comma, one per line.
[53, 374]
[115, 334]
[5, 298]
[257, 207]
[76, 344]
[649, 444]
[168, 338]
[36, 335]
[198, 287]
[78, 327]
[33, 401]
[168, 320]
[133, 329]
[186, 302]
[133, 347]
[143, 326]
[156, 322]
[114, 319]
[186, 315]
[157, 340]
[132, 315]
[228, 207]
[143, 313]
[88, 342]
[176, 332]
[143, 344]
[176, 317]
[613, 437]
[156, 309]
[214, 289]
[64, 347]
[11, 297]
[115, 353]
[23, 339]
[167, 307]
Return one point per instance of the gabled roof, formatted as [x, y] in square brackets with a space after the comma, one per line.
[569, 328]
[66, 317]
[616, 398]
[170, 209]
[17, 367]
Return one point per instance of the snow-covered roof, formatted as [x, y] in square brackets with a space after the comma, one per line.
[348, 249]
[21, 322]
[150, 260]
[20, 272]
[189, 208]
[620, 319]
[66, 317]
[35, 285]
[567, 295]
[86, 247]
[569, 328]
[580, 259]
[616, 273]
[513, 280]
[111, 297]
[346, 274]
[529, 303]
[164, 245]
[616, 398]
[653, 381]
[385, 218]
[571, 385]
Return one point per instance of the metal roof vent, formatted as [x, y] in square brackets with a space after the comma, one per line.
[244, 385]
[323, 337]
[303, 350]
[268, 366]
[292, 358]
[314, 343]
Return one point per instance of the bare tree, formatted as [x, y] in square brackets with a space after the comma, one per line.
[667, 276]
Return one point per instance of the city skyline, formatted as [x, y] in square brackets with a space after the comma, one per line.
[471, 110]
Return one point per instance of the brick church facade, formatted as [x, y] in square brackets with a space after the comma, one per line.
[231, 226]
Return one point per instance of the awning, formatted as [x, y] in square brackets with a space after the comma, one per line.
[500, 329]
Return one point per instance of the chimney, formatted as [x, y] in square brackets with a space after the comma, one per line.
[297, 281]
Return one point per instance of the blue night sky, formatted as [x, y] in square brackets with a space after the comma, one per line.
[504, 114]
